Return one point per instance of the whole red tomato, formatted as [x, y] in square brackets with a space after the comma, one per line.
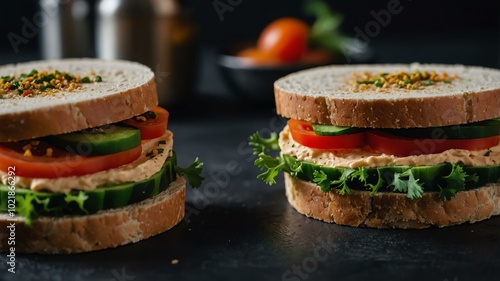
[285, 38]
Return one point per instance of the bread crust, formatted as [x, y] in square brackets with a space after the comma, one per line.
[105, 229]
[392, 210]
[103, 103]
[321, 95]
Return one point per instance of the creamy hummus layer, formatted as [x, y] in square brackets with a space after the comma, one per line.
[142, 168]
[352, 158]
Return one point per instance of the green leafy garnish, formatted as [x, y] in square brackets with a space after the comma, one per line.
[405, 182]
[261, 144]
[455, 182]
[272, 165]
[366, 82]
[192, 173]
[28, 204]
[25, 207]
[79, 199]
[325, 31]
[378, 83]
[321, 179]
[341, 183]
[362, 175]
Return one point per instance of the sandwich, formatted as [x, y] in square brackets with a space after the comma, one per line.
[388, 146]
[86, 160]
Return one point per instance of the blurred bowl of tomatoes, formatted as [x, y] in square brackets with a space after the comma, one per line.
[284, 46]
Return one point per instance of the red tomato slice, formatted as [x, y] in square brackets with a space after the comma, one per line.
[401, 146]
[61, 164]
[303, 133]
[152, 127]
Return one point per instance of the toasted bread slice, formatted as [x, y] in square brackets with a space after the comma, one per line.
[328, 95]
[127, 89]
[105, 229]
[392, 210]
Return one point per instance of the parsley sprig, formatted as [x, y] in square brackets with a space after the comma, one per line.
[272, 165]
[192, 173]
[455, 182]
[405, 182]
[342, 183]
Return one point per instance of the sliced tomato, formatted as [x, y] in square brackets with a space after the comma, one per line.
[303, 133]
[152, 127]
[401, 146]
[61, 164]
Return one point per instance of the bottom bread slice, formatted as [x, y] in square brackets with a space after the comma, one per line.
[105, 229]
[392, 210]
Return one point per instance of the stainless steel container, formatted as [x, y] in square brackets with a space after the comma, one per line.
[157, 33]
[67, 29]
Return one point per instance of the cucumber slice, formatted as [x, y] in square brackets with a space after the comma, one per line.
[332, 130]
[489, 122]
[468, 131]
[102, 198]
[431, 177]
[117, 196]
[485, 175]
[111, 139]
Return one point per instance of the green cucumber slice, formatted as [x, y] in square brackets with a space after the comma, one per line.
[485, 175]
[467, 131]
[111, 139]
[332, 130]
[102, 198]
[489, 122]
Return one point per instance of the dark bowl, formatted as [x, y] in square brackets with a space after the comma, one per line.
[254, 83]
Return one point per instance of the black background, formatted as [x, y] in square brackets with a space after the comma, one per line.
[441, 26]
[236, 227]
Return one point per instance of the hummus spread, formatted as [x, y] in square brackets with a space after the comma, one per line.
[142, 168]
[353, 158]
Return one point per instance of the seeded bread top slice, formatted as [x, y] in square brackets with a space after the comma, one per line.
[331, 95]
[127, 89]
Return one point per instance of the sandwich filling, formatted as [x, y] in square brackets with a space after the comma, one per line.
[140, 169]
[96, 169]
[445, 160]
[367, 157]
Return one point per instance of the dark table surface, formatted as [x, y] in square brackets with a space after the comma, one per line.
[238, 228]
